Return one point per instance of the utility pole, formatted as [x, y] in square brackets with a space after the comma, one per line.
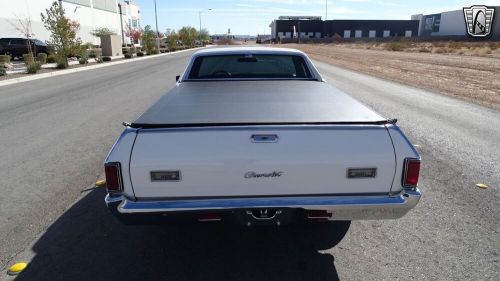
[326, 9]
[121, 23]
[199, 16]
[157, 31]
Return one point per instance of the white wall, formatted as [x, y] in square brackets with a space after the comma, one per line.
[23, 9]
[88, 18]
[452, 23]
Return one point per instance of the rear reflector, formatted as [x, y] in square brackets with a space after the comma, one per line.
[317, 214]
[411, 172]
[113, 176]
[209, 217]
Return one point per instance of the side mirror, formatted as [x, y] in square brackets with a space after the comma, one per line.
[177, 78]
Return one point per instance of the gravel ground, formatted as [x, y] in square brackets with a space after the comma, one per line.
[472, 78]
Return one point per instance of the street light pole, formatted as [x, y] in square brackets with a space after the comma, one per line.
[121, 23]
[157, 31]
[199, 16]
[326, 9]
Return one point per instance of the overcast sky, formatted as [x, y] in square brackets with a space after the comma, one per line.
[253, 16]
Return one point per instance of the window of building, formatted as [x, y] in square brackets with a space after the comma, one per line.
[318, 35]
[408, 33]
[372, 33]
[358, 33]
[347, 34]
[288, 35]
[387, 33]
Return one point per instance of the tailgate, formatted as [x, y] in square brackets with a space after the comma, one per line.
[247, 161]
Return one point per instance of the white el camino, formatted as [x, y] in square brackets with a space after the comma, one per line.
[255, 135]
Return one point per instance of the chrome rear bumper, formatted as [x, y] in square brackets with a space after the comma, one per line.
[341, 207]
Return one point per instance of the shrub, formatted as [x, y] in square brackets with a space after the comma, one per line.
[28, 59]
[128, 56]
[4, 59]
[494, 45]
[125, 50]
[140, 54]
[133, 50]
[98, 59]
[154, 52]
[163, 50]
[93, 54]
[456, 45]
[439, 50]
[61, 62]
[33, 67]
[3, 72]
[42, 58]
[106, 59]
[52, 58]
[396, 46]
[424, 50]
[83, 60]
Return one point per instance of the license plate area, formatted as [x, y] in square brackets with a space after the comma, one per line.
[265, 216]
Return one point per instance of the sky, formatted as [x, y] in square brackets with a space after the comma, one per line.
[251, 17]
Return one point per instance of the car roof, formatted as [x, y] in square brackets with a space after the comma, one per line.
[247, 50]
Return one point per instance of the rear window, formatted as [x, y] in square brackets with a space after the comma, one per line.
[249, 67]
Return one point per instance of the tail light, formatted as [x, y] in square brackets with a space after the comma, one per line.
[113, 173]
[411, 172]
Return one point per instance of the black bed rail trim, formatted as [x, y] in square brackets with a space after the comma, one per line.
[193, 125]
[368, 194]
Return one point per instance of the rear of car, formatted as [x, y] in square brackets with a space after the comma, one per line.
[257, 135]
[17, 47]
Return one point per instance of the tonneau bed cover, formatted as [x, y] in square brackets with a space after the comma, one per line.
[208, 103]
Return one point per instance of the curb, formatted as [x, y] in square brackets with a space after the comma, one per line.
[68, 71]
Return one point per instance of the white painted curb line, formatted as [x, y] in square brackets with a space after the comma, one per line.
[100, 65]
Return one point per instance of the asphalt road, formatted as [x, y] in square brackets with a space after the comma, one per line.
[55, 132]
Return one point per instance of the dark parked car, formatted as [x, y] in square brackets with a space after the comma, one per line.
[16, 47]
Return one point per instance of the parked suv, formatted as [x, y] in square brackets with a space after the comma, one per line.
[16, 47]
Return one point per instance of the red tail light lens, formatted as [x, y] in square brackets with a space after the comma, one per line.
[113, 176]
[411, 172]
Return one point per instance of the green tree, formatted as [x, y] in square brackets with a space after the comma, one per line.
[188, 35]
[204, 34]
[62, 32]
[148, 39]
[102, 31]
[172, 38]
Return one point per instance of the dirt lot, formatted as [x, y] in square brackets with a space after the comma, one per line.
[465, 72]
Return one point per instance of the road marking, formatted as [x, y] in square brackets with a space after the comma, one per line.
[100, 183]
[17, 268]
[482, 185]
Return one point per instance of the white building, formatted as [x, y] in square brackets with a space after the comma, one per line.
[90, 14]
[451, 24]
